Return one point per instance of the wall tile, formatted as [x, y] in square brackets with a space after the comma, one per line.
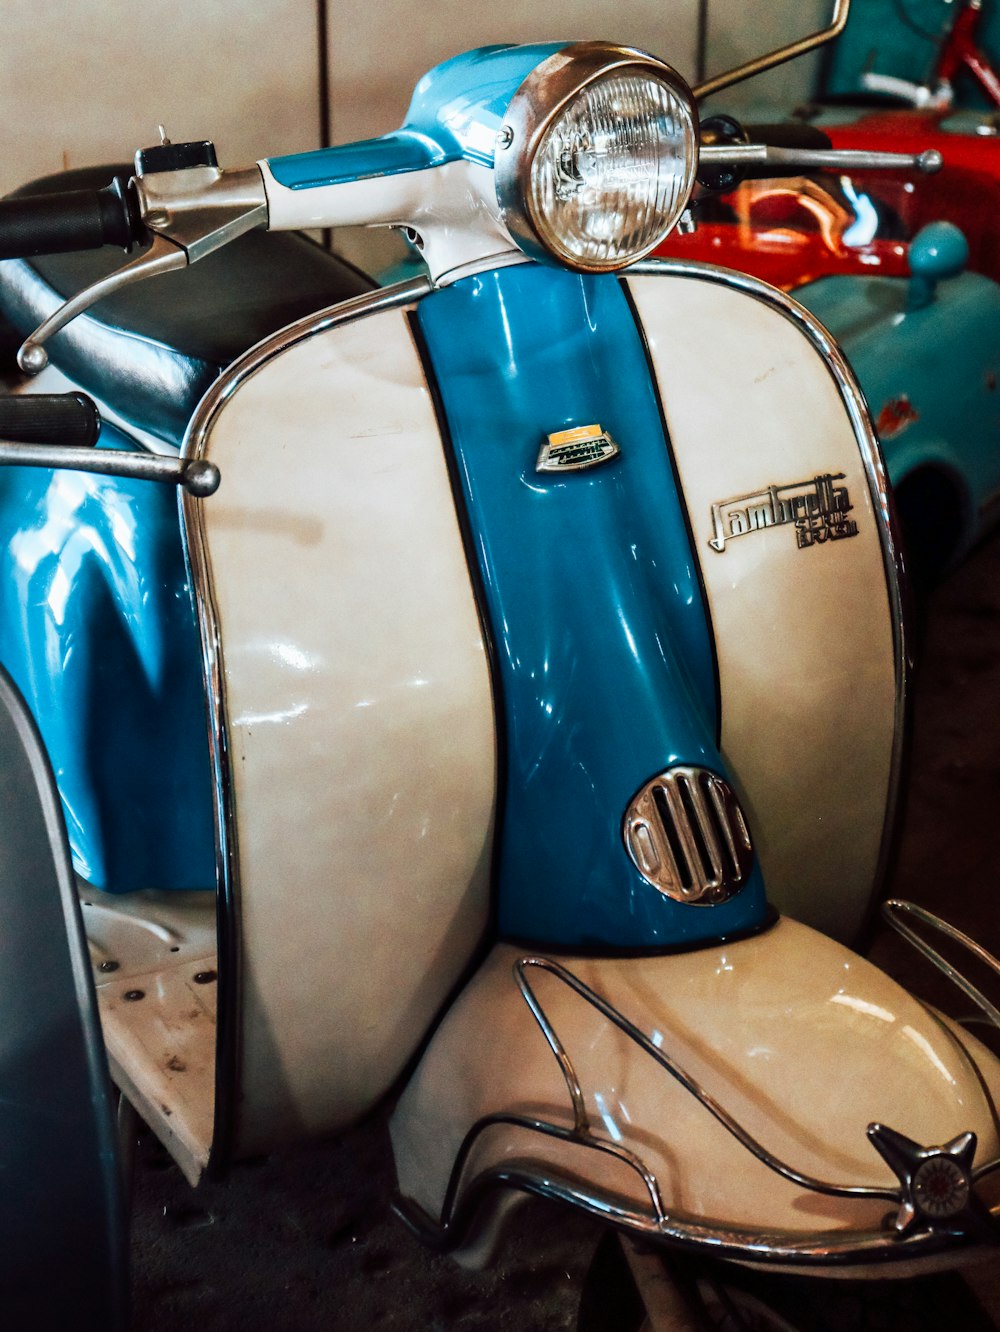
[88, 80]
[738, 30]
[377, 52]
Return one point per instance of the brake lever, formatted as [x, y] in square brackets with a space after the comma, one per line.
[189, 213]
[163, 256]
[809, 159]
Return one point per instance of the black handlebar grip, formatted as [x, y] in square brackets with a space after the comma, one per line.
[74, 220]
[49, 418]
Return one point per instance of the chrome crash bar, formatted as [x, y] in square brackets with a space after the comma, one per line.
[914, 1235]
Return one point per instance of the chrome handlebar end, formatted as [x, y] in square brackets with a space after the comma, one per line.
[758, 157]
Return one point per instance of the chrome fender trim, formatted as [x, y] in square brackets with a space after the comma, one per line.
[729, 1097]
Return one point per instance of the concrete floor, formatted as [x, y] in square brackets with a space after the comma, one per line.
[307, 1242]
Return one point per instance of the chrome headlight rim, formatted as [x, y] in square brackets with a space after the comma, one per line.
[537, 104]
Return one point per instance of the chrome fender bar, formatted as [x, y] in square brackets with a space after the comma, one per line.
[777, 1099]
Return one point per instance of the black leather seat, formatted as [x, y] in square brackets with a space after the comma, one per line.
[152, 349]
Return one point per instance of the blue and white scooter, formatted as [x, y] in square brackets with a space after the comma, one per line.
[544, 612]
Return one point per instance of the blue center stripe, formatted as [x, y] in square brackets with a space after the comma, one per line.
[592, 596]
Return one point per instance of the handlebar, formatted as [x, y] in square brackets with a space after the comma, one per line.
[59, 430]
[720, 169]
[759, 159]
[731, 152]
[49, 418]
[187, 213]
[74, 220]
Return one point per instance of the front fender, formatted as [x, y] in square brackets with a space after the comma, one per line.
[802, 1043]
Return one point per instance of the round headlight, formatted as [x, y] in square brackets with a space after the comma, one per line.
[596, 158]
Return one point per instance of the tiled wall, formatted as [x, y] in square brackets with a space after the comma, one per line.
[88, 80]
[85, 81]
[377, 52]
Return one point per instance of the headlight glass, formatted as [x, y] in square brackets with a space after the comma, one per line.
[613, 171]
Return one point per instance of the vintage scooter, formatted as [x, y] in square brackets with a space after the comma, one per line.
[545, 607]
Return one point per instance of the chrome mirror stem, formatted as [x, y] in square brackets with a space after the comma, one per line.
[778, 57]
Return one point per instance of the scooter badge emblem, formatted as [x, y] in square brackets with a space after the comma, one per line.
[571, 450]
[817, 508]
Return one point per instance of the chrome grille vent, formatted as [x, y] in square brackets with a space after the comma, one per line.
[687, 836]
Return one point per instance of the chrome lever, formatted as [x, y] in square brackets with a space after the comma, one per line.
[189, 213]
[162, 257]
[199, 478]
[837, 159]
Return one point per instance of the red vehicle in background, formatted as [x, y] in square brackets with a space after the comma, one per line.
[794, 231]
[965, 191]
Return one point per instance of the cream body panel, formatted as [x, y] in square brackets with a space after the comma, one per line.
[801, 1041]
[359, 719]
[804, 637]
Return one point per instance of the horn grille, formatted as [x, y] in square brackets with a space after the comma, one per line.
[687, 836]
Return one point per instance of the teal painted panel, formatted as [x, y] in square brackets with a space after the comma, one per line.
[603, 653]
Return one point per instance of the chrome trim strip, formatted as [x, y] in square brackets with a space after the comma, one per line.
[199, 569]
[369, 302]
[865, 1253]
[894, 909]
[878, 484]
